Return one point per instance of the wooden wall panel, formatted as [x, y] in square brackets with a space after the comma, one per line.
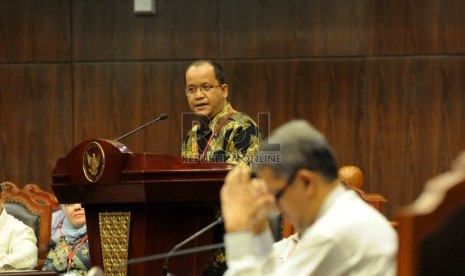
[451, 30]
[113, 99]
[330, 94]
[382, 79]
[416, 27]
[109, 30]
[416, 110]
[299, 28]
[35, 120]
[34, 30]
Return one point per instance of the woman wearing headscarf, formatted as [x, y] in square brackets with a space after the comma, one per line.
[70, 255]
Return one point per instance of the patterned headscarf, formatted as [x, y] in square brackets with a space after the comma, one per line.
[70, 232]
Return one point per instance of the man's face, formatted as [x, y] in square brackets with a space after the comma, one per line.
[208, 103]
[75, 214]
[292, 198]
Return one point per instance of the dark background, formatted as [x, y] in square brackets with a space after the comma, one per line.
[383, 79]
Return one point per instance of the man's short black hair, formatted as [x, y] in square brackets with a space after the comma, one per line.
[217, 68]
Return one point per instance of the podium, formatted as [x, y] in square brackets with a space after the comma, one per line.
[140, 204]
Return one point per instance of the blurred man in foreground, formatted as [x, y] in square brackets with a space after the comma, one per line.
[341, 234]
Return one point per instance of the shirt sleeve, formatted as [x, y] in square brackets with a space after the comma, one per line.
[24, 250]
[247, 254]
[243, 143]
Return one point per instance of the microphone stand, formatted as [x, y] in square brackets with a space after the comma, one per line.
[161, 117]
[189, 239]
[177, 253]
[170, 254]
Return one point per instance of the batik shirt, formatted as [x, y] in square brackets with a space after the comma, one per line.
[58, 257]
[235, 139]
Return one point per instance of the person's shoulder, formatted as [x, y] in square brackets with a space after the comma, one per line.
[19, 228]
[351, 212]
[15, 223]
[241, 116]
[242, 119]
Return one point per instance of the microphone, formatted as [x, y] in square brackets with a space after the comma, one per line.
[177, 253]
[189, 239]
[159, 118]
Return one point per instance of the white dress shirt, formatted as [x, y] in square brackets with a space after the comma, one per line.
[18, 244]
[286, 247]
[349, 237]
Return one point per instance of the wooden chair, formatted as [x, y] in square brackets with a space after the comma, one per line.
[19, 204]
[352, 178]
[41, 196]
[431, 229]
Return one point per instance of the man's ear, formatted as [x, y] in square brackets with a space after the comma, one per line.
[308, 179]
[224, 90]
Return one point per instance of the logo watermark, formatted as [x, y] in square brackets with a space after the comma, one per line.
[191, 120]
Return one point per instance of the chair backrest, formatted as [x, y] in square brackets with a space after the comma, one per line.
[41, 196]
[351, 175]
[38, 216]
[352, 178]
[431, 234]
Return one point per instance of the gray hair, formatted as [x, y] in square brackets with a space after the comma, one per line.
[300, 146]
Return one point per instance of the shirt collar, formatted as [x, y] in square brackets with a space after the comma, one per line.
[219, 118]
[331, 198]
[296, 237]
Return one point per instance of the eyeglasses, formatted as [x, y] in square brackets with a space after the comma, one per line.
[289, 182]
[191, 90]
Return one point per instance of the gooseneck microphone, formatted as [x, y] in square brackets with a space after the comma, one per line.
[184, 242]
[159, 118]
[177, 253]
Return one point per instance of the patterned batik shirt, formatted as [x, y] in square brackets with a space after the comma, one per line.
[58, 257]
[231, 137]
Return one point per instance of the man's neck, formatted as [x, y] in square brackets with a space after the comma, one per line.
[320, 200]
[206, 122]
[220, 112]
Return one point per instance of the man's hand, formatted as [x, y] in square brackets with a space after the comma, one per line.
[244, 202]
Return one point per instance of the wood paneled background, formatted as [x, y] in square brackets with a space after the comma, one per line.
[383, 79]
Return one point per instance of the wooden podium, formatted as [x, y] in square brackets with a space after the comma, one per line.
[140, 204]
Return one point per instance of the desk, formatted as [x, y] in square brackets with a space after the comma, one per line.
[26, 272]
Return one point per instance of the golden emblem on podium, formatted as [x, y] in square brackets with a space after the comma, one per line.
[93, 162]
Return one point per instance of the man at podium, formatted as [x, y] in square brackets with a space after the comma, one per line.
[222, 135]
